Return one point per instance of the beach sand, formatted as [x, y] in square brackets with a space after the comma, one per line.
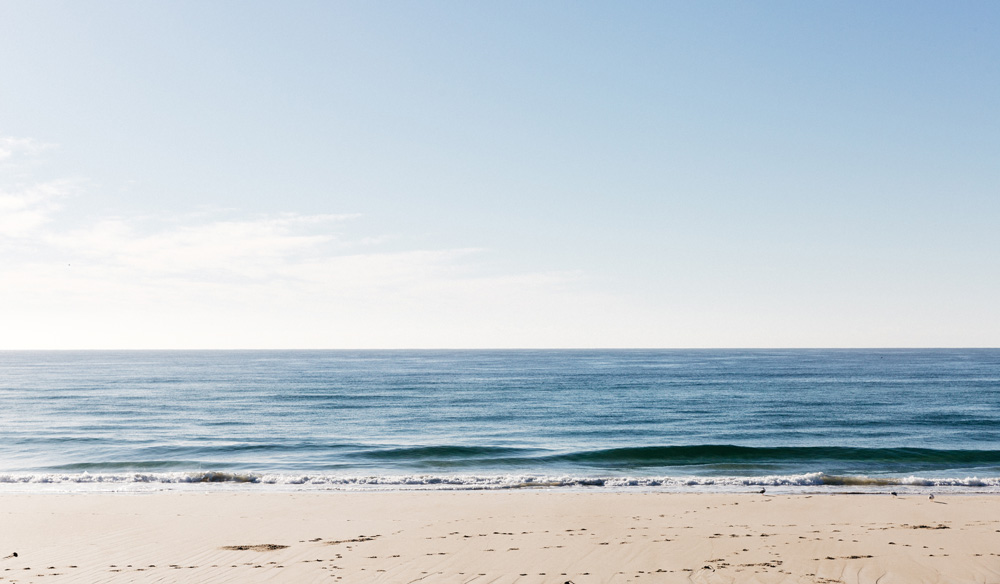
[526, 536]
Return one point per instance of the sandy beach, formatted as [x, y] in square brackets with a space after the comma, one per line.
[523, 536]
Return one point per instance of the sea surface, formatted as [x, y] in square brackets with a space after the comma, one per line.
[675, 420]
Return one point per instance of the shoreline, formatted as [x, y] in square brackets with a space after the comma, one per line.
[291, 482]
[529, 536]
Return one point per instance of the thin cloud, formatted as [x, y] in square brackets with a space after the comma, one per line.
[24, 209]
[13, 147]
[224, 280]
[237, 246]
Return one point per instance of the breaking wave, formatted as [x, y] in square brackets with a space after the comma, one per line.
[506, 481]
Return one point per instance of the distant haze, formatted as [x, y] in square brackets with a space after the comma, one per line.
[520, 174]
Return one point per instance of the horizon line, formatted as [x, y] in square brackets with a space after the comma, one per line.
[764, 348]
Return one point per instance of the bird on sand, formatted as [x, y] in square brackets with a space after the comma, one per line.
[893, 493]
[761, 491]
[931, 497]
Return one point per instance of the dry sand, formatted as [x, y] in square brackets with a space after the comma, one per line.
[522, 536]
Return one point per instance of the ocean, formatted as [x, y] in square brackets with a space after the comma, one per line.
[660, 420]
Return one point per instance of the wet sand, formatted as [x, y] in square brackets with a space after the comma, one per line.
[543, 536]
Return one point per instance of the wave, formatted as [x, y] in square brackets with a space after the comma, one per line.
[729, 454]
[126, 466]
[499, 481]
[899, 459]
[446, 453]
[708, 459]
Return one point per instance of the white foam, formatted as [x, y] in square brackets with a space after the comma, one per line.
[296, 481]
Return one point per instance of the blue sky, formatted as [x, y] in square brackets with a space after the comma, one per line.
[457, 174]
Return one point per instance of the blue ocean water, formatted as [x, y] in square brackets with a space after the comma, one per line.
[659, 419]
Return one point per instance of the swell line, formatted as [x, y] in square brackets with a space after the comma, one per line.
[715, 454]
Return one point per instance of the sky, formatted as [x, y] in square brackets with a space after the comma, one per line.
[323, 175]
